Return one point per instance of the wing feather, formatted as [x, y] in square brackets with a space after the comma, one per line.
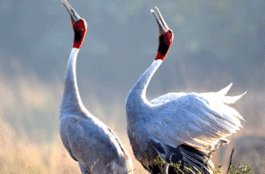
[225, 90]
[195, 119]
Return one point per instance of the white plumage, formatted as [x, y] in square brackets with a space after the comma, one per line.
[177, 126]
[196, 119]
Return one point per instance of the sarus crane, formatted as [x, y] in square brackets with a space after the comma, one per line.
[87, 139]
[177, 127]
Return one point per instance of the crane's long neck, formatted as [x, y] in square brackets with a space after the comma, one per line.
[136, 100]
[137, 96]
[71, 101]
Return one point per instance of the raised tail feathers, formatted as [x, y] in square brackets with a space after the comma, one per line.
[233, 99]
[225, 90]
[229, 99]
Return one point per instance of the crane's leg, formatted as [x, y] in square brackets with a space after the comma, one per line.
[164, 168]
[84, 169]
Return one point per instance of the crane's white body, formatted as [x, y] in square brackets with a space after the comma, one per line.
[161, 126]
[88, 140]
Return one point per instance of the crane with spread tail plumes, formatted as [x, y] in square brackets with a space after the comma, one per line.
[177, 127]
[88, 140]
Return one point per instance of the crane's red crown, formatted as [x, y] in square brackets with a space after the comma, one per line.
[165, 42]
[167, 37]
[80, 28]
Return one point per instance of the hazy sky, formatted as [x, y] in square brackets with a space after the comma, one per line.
[211, 38]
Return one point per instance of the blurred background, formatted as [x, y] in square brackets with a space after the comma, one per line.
[216, 42]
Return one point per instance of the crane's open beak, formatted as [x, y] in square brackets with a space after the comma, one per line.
[163, 27]
[74, 16]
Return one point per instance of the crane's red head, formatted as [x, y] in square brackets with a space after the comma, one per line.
[80, 32]
[166, 36]
[79, 25]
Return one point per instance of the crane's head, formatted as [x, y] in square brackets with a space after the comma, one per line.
[165, 36]
[78, 23]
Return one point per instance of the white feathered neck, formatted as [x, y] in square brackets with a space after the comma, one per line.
[136, 99]
[71, 101]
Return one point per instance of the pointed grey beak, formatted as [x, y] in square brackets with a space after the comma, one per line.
[74, 16]
[163, 27]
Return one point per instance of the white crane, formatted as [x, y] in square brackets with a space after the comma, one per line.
[177, 126]
[88, 140]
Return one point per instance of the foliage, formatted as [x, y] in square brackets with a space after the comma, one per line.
[239, 169]
[233, 169]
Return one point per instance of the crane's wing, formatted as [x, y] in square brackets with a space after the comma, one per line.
[194, 119]
[91, 142]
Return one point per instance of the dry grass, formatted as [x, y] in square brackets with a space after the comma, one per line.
[29, 140]
[19, 154]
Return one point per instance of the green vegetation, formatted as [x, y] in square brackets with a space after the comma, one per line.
[239, 169]
[233, 169]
